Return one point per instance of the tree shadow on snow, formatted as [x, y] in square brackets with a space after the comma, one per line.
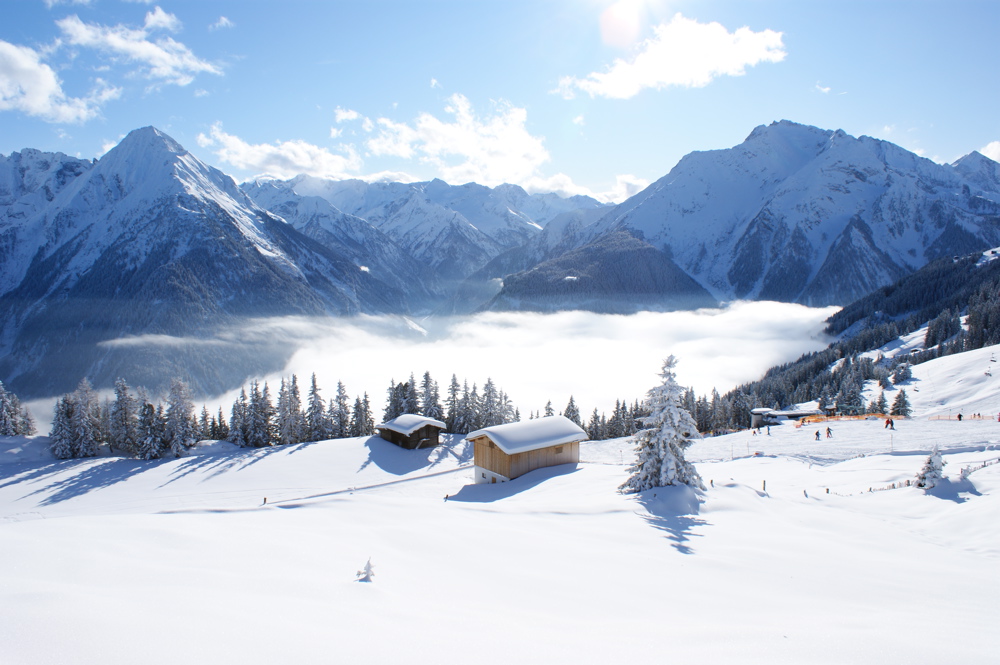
[219, 464]
[399, 461]
[673, 510]
[953, 490]
[487, 493]
[91, 476]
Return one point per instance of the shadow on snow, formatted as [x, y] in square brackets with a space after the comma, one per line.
[487, 493]
[399, 461]
[673, 510]
[952, 490]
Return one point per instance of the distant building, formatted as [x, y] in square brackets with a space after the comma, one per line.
[762, 417]
[504, 452]
[411, 431]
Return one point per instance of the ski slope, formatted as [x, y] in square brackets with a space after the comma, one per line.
[794, 555]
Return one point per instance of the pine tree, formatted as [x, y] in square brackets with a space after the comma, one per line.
[430, 400]
[341, 423]
[317, 425]
[61, 436]
[14, 419]
[902, 373]
[879, 405]
[411, 401]
[221, 430]
[150, 428]
[669, 432]
[84, 420]
[124, 427]
[239, 420]
[548, 409]
[179, 432]
[572, 412]
[933, 471]
[454, 391]
[900, 405]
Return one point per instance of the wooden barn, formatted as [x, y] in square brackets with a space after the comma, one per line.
[504, 452]
[411, 431]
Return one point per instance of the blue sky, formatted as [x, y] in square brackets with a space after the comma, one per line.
[574, 96]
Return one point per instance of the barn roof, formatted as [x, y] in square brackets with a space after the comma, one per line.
[530, 435]
[408, 423]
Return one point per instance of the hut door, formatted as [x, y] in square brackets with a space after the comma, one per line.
[493, 480]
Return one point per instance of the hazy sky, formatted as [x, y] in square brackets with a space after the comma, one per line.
[563, 95]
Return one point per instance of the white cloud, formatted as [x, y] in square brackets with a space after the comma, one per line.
[626, 185]
[682, 53]
[161, 20]
[345, 115]
[282, 159]
[222, 23]
[489, 150]
[368, 125]
[435, 83]
[164, 60]
[579, 120]
[335, 132]
[824, 89]
[201, 92]
[991, 150]
[52, 3]
[32, 87]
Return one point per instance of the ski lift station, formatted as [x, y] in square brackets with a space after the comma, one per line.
[504, 452]
[411, 431]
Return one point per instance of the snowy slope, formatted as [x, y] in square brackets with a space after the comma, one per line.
[802, 554]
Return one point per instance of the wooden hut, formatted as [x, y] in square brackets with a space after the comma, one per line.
[504, 452]
[411, 431]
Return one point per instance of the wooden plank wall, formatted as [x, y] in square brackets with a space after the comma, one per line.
[489, 456]
[522, 463]
[512, 466]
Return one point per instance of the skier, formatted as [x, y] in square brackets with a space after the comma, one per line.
[817, 435]
[887, 421]
[960, 417]
[892, 424]
[829, 433]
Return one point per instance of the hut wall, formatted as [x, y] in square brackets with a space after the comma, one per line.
[489, 456]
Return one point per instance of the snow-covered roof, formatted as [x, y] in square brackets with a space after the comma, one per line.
[530, 435]
[408, 423]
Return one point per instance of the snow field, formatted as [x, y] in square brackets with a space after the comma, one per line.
[117, 561]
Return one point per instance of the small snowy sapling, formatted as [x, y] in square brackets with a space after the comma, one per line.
[367, 573]
[933, 471]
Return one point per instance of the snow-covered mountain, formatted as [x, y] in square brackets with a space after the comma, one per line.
[149, 241]
[452, 230]
[800, 214]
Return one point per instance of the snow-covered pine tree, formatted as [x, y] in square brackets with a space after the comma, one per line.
[669, 432]
[430, 399]
[150, 428]
[238, 420]
[84, 421]
[317, 425]
[454, 391]
[221, 431]
[549, 411]
[572, 411]
[411, 401]
[61, 436]
[8, 416]
[879, 404]
[205, 424]
[124, 426]
[368, 420]
[901, 373]
[490, 408]
[179, 432]
[341, 423]
[297, 426]
[900, 405]
[933, 471]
